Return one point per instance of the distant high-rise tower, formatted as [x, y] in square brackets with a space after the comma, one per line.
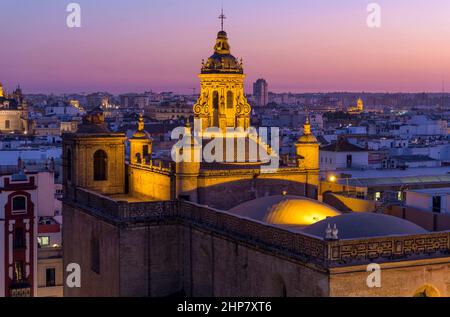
[1, 90]
[261, 93]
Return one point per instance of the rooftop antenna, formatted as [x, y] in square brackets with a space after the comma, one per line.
[222, 17]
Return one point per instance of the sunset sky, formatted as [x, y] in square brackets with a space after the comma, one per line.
[296, 45]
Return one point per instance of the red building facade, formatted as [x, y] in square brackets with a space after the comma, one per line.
[18, 250]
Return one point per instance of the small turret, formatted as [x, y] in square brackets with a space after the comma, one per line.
[140, 144]
[307, 148]
[188, 166]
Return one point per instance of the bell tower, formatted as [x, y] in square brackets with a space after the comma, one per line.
[140, 144]
[94, 157]
[307, 149]
[222, 102]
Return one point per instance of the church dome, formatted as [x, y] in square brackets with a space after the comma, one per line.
[365, 225]
[93, 122]
[307, 138]
[285, 210]
[222, 62]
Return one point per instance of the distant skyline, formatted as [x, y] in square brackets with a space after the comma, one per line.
[298, 46]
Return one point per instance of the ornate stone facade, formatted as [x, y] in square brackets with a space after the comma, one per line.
[222, 101]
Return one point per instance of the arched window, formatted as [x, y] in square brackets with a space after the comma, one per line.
[229, 99]
[216, 101]
[215, 109]
[100, 165]
[19, 203]
[19, 239]
[69, 165]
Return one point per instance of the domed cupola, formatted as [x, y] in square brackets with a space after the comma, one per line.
[222, 62]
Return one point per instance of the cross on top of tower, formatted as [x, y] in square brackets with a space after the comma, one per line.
[222, 17]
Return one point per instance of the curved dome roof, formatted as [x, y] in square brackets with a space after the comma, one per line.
[285, 210]
[222, 61]
[307, 138]
[365, 225]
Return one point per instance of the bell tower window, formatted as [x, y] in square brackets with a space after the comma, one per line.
[100, 166]
[216, 109]
[229, 99]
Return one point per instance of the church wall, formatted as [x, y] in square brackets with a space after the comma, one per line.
[149, 261]
[400, 279]
[234, 269]
[77, 232]
[177, 258]
[241, 188]
[151, 184]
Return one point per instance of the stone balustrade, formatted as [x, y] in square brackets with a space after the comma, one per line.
[267, 237]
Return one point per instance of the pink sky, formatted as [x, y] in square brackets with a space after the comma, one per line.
[296, 45]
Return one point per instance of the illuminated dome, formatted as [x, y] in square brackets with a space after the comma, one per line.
[285, 210]
[364, 225]
[141, 133]
[222, 61]
[307, 136]
[93, 122]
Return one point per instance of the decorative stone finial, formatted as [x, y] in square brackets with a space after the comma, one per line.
[141, 123]
[334, 233]
[307, 127]
[328, 232]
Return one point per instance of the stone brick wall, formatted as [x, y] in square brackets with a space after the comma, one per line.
[176, 247]
[400, 279]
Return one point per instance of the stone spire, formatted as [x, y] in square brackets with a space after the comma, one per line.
[141, 123]
[307, 127]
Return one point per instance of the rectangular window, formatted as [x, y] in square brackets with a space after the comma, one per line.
[437, 204]
[377, 196]
[145, 151]
[349, 161]
[7, 124]
[44, 241]
[95, 255]
[50, 280]
[18, 271]
[19, 239]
